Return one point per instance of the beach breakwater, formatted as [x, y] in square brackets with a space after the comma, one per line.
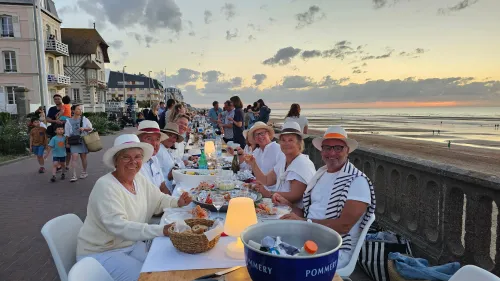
[449, 214]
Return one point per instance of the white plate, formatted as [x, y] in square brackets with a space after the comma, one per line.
[282, 210]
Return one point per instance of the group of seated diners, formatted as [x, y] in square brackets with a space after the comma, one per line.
[122, 202]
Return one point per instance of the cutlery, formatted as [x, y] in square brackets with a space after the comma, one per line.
[218, 274]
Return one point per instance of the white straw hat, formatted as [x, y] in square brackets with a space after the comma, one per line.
[150, 127]
[291, 127]
[173, 128]
[259, 125]
[335, 132]
[123, 142]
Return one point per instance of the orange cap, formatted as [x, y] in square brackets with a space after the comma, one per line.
[310, 247]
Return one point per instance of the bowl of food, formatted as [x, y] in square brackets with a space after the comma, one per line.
[264, 266]
[226, 185]
[193, 177]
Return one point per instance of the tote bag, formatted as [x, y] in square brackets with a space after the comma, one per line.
[93, 142]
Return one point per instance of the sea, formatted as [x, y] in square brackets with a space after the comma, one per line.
[467, 126]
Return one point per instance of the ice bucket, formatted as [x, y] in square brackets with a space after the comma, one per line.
[267, 267]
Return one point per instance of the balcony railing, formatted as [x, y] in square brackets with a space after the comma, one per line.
[56, 47]
[58, 80]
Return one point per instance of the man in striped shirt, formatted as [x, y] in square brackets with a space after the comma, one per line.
[339, 196]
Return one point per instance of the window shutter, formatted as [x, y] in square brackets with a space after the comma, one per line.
[17, 26]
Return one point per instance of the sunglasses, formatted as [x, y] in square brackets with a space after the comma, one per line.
[329, 148]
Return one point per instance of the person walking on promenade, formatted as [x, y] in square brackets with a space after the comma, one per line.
[38, 142]
[57, 145]
[78, 125]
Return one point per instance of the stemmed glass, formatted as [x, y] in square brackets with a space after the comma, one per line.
[218, 201]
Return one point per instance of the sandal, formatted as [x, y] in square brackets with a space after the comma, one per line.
[84, 175]
[73, 179]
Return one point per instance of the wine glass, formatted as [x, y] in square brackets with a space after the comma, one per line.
[218, 201]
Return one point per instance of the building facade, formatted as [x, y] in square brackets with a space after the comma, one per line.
[86, 67]
[142, 87]
[18, 63]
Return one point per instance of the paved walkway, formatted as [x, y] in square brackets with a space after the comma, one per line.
[28, 200]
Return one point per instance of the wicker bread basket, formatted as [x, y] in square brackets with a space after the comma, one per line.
[394, 275]
[193, 243]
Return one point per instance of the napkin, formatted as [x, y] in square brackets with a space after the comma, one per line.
[181, 226]
[216, 229]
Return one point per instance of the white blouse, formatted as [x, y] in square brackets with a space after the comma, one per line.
[267, 158]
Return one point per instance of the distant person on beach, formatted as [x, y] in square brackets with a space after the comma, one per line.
[433, 132]
[439, 132]
[264, 112]
[353, 193]
[294, 116]
[449, 144]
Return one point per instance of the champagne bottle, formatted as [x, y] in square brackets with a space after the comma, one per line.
[235, 165]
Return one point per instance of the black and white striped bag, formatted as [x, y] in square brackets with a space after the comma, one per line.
[373, 256]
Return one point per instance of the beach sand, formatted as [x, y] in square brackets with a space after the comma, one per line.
[481, 160]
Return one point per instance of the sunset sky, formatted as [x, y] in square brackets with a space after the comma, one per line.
[339, 53]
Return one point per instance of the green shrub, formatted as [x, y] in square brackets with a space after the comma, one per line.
[14, 138]
[4, 117]
[113, 126]
[95, 114]
[99, 123]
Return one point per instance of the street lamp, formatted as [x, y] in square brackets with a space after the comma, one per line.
[40, 46]
[149, 88]
[123, 77]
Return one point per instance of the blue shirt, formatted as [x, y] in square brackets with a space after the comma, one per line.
[212, 114]
[58, 145]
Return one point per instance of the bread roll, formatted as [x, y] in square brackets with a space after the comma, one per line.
[199, 229]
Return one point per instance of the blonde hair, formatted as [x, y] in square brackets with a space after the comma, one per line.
[300, 141]
[154, 107]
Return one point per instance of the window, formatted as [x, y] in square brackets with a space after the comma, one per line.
[11, 95]
[59, 70]
[10, 61]
[51, 66]
[76, 94]
[7, 26]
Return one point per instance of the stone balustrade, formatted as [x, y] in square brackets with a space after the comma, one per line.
[449, 214]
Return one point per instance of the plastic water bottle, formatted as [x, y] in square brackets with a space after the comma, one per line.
[218, 146]
[202, 162]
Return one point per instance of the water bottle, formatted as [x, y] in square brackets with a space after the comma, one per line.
[202, 162]
[218, 146]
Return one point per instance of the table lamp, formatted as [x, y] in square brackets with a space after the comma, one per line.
[240, 215]
[209, 148]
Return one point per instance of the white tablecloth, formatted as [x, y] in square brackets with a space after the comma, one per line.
[163, 256]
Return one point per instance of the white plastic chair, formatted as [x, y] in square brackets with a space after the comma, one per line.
[61, 235]
[472, 272]
[349, 268]
[88, 269]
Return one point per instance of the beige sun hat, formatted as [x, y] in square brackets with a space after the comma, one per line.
[336, 132]
[291, 127]
[173, 128]
[123, 142]
[150, 127]
[259, 125]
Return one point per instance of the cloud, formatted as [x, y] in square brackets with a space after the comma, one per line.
[357, 71]
[230, 35]
[211, 76]
[228, 10]
[251, 38]
[192, 33]
[272, 20]
[283, 56]
[149, 14]
[259, 78]
[458, 7]
[67, 10]
[377, 57]
[309, 17]
[296, 82]
[150, 40]
[181, 77]
[236, 82]
[208, 16]
[117, 44]
[414, 54]
[136, 36]
[310, 54]
[378, 4]
[254, 27]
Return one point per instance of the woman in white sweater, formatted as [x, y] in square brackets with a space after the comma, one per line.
[120, 205]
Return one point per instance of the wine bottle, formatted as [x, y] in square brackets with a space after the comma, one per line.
[235, 165]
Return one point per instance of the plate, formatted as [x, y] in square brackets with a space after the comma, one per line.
[199, 198]
[281, 211]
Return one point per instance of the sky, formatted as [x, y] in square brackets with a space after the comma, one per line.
[318, 53]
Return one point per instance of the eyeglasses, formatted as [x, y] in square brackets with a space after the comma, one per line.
[336, 148]
[261, 134]
[127, 158]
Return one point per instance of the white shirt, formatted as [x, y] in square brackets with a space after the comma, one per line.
[267, 158]
[167, 162]
[301, 120]
[320, 195]
[301, 169]
[152, 171]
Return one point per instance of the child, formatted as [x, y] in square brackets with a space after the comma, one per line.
[38, 142]
[65, 111]
[58, 146]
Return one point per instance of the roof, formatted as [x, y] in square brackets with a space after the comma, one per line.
[90, 65]
[115, 77]
[84, 41]
[50, 7]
